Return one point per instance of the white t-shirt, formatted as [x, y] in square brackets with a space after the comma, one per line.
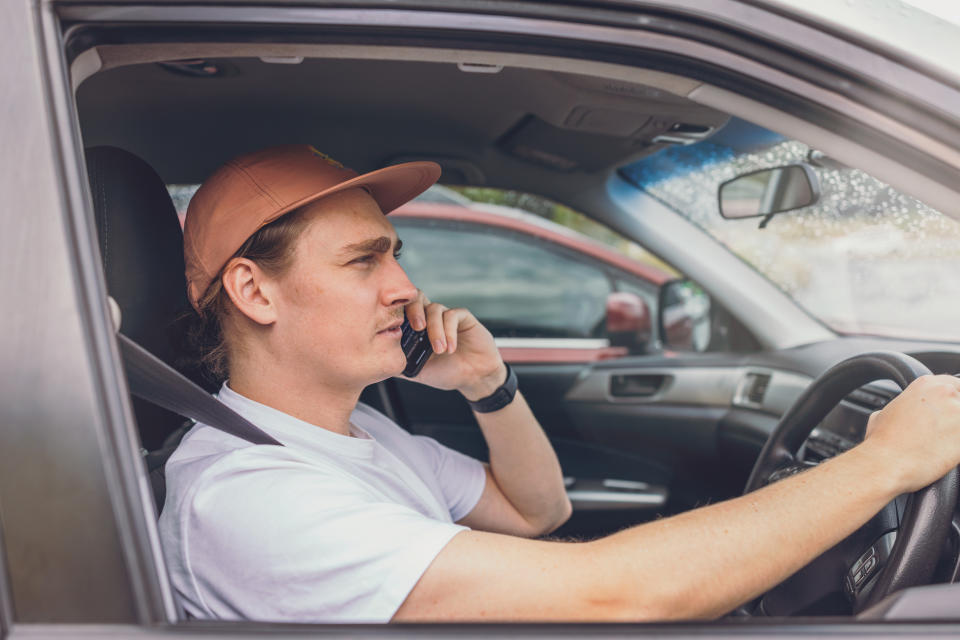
[328, 528]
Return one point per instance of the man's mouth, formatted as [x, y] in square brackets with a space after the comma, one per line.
[393, 330]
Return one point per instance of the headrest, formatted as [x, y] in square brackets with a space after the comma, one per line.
[142, 248]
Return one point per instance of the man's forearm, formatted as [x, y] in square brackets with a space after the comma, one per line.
[703, 563]
[706, 562]
[699, 564]
[524, 465]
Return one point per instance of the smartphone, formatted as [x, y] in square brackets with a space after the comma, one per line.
[416, 347]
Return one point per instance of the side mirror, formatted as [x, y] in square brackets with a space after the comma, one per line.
[769, 191]
[629, 323]
[684, 316]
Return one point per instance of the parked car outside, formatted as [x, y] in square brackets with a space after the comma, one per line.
[548, 293]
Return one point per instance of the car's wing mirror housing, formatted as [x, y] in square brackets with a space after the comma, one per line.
[629, 321]
[684, 316]
[769, 191]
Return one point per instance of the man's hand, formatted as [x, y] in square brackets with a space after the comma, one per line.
[465, 355]
[917, 435]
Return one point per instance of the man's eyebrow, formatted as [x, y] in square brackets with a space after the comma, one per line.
[375, 245]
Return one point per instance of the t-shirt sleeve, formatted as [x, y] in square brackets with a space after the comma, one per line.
[461, 478]
[284, 543]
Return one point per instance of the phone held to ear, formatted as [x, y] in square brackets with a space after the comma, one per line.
[416, 347]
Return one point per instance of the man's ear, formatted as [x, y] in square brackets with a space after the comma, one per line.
[249, 290]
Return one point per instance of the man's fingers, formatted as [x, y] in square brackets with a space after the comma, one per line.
[443, 325]
[452, 320]
[871, 423]
[435, 330]
[416, 311]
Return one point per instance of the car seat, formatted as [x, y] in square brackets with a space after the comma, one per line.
[142, 249]
[141, 245]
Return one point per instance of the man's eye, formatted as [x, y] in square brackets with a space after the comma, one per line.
[363, 259]
[397, 254]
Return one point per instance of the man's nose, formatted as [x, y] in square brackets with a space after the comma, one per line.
[398, 290]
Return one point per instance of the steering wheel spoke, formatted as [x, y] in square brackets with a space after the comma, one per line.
[861, 576]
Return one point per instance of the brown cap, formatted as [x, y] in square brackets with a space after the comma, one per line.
[255, 189]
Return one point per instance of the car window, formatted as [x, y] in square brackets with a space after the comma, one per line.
[515, 287]
[181, 194]
[534, 270]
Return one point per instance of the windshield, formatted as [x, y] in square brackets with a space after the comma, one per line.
[864, 259]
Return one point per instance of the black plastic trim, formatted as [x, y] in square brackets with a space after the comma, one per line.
[6, 595]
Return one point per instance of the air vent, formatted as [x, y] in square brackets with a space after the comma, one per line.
[752, 389]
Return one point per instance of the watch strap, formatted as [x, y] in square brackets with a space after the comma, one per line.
[500, 398]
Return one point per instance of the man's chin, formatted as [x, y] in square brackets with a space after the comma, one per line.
[395, 367]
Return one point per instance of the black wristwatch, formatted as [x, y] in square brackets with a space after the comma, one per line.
[500, 398]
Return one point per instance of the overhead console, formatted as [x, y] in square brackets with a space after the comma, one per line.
[608, 123]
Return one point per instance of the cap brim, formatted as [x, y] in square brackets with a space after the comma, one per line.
[390, 187]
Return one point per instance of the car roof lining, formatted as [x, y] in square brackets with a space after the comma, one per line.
[109, 56]
[372, 106]
[577, 188]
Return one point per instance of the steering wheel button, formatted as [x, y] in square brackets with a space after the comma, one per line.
[859, 578]
[869, 557]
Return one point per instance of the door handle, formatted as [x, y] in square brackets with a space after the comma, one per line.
[636, 385]
[592, 494]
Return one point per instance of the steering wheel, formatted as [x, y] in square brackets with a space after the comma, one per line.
[871, 568]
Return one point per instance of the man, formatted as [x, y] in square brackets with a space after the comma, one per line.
[293, 264]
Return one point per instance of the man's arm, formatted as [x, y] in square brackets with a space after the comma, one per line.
[524, 494]
[708, 561]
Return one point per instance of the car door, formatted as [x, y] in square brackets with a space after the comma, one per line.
[77, 536]
[628, 447]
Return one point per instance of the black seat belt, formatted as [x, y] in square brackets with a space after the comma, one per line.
[153, 380]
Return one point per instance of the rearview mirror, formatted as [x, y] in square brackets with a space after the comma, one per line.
[769, 191]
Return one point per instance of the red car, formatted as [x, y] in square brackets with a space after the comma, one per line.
[514, 271]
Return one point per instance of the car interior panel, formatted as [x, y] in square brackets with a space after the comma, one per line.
[674, 356]
[628, 456]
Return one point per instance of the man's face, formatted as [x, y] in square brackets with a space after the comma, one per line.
[340, 304]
